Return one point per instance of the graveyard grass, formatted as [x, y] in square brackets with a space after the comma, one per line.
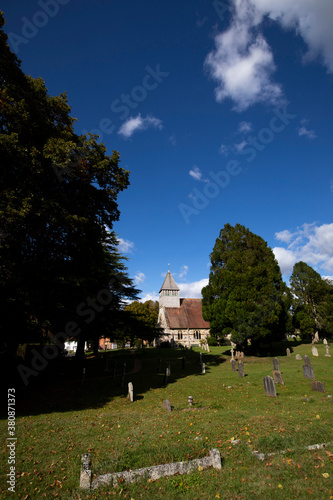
[60, 420]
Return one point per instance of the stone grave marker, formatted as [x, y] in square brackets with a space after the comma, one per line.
[167, 405]
[307, 360]
[233, 365]
[314, 351]
[130, 392]
[327, 355]
[269, 386]
[203, 368]
[317, 386]
[166, 376]
[278, 377]
[288, 352]
[298, 357]
[308, 372]
[276, 365]
[240, 368]
[325, 341]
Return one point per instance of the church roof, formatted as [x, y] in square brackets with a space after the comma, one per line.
[188, 315]
[169, 283]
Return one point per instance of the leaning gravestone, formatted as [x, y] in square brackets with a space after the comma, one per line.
[278, 377]
[308, 372]
[298, 357]
[307, 360]
[233, 365]
[327, 355]
[288, 352]
[276, 365]
[240, 368]
[203, 368]
[314, 351]
[269, 386]
[167, 405]
[317, 386]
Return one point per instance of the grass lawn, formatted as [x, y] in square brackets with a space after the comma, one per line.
[59, 419]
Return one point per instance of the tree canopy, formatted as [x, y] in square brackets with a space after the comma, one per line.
[58, 204]
[142, 321]
[245, 296]
[313, 302]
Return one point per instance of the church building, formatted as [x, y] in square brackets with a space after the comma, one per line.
[180, 319]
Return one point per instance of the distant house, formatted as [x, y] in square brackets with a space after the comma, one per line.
[180, 319]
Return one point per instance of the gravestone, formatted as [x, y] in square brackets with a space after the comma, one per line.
[130, 391]
[308, 372]
[233, 365]
[278, 377]
[167, 405]
[317, 386]
[314, 351]
[169, 370]
[307, 360]
[232, 354]
[298, 357]
[240, 368]
[327, 355]
[269, 386]
[276, 365]
[207, 348]
[325, 341]
[166, 376]
[203, 368]
[288, 352]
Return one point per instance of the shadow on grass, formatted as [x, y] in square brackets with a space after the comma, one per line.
[62, 386]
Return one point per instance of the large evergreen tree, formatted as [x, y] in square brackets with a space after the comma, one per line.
[313, 302]
[58, 193]
[245, 295]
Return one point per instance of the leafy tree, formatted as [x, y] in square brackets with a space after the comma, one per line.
[58, 193]
[313, 302]
[245, 295]
[142, 321]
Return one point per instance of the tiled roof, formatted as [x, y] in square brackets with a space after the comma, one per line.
[169, 283]
[188, 315]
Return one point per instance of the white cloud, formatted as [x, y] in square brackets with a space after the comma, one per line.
[172, 140]
[125, 246]
[149, 296]
[309, 243]
[311, 134]
[183, 271]
[240, 146]
[192, 290]
[134, 124]
[244, 127]
[224, 150]
[197, 174]
[139, 278]
[242, 61]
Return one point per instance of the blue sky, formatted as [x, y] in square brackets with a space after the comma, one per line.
[222, 112]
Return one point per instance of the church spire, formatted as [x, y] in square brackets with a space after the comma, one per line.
[169, 292]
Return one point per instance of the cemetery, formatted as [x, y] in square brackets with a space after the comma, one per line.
[148, 423]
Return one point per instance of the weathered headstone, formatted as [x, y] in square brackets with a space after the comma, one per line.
[233, 365]
[203, 368]
[269, 386]
[317, 386]
[167, 405]
[288, 352]
[240, 368]
[325, 341]
[308, 372]
[169, 370]
[166, 376]
[327, 355]
[130, 391]
[307, 360]
[232, 354]
[314, 351]
[298, 357]
[276, 365]
[278, 377]
[208, 349]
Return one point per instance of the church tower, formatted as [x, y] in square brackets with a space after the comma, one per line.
[169, 293]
